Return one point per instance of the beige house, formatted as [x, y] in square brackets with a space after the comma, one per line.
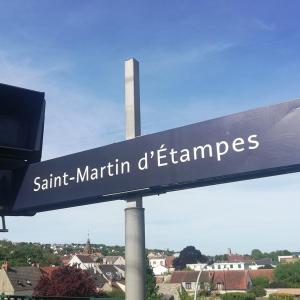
[112, 260]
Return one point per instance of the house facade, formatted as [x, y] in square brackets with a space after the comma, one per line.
[84, 262]
[112, 260]
[157, 261]
[214, 281]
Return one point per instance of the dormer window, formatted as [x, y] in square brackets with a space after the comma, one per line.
[20, 283]
[28, 282]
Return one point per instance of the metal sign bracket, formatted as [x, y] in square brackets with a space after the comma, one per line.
[3, 229]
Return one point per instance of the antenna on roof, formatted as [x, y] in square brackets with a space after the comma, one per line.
[3, 229]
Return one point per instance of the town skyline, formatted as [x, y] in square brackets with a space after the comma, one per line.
[197, 62]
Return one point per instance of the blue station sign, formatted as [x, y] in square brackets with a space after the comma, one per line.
[252, 144]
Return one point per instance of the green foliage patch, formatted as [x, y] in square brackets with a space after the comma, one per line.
[24, 254]
[288, 274]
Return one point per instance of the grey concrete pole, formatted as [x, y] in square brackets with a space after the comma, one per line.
[135, 275]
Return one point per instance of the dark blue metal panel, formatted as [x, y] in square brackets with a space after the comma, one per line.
[251, 144]
[21, 135]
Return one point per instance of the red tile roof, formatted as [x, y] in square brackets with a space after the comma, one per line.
[239, 258]
[47, 271]
[169, 261]
[231, 280]
[184, 276]
[267, 273]
[65, 259]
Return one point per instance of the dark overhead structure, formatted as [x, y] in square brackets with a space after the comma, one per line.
[22, 114]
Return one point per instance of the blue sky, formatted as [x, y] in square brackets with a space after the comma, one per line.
[198, 60]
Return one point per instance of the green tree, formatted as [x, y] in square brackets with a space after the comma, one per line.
[151, 286]
[260, 282]
[257, 254]
[189, 255]
[221, 257]
[24, 254]
[259, 285]
[288, 274]
[183, 294]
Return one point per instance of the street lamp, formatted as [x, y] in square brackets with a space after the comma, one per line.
[198, 278]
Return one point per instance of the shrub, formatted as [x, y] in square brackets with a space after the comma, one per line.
[237, 296]
[67, 282]
[258, 291]
[278, 284]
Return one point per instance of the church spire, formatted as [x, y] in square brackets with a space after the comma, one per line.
[88, 248]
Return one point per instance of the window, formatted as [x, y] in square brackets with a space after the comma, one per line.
[219, 267]
[213, 267]
[231, 266]
[188, 285]
[20, 283]
[225, 266]
[239, 266]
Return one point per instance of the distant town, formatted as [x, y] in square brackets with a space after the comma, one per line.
[170, 274]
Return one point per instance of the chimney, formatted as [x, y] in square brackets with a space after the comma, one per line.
[5, 266]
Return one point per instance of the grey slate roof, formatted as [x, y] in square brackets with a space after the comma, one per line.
[184, 276]
[98, 278]
[110, 272]
[264, 261]
[23, 278]
[110, 260]
[122, 267]
[86, 259]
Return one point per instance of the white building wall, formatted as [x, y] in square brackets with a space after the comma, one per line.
[154, 262]
[196, 267]
[284, 257]
[228, 266]
[75, 261]
[160, 270]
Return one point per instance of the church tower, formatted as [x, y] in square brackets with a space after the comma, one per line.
[88, 248]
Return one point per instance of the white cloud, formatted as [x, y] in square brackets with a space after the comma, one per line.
[162, 58]
[264, 26]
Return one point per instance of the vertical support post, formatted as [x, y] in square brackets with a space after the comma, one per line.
[135, 277]
[4, 229]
